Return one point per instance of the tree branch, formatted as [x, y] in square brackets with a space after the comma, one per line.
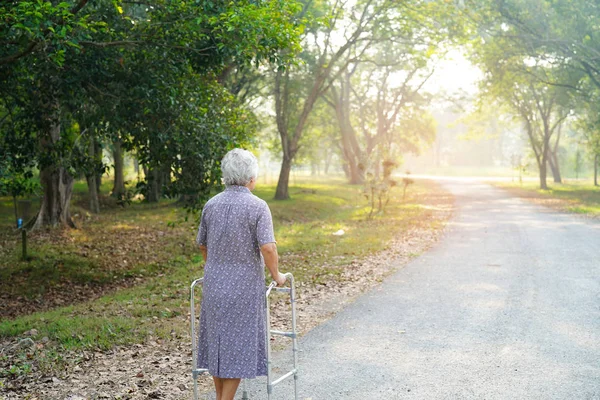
[78, 6]
[14, 57]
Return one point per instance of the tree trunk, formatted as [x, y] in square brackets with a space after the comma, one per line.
[554, 167]
[349, 143]
[136, 167]
[356, 175]
[327, 162]
[93, 192]
[16, 212]
[543, 165]
[282, 192]
[543, 173]
[56, 182]
[153, 185]
[596, 160]
[98, 155]
[165, 176]
[91, 182]
[553, 156]
[57, 187]
[118, 190]
[346, 169]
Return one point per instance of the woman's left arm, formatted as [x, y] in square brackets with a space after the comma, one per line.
[201, 238]
[204, 251]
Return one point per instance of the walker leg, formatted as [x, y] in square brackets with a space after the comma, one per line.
[268, 346]
[193, 336]
[293, 335]
[245, 391]
[294, 339]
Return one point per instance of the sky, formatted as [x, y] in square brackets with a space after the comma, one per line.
[454, 73]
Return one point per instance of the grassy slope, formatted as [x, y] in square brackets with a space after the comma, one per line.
[572, 196]
[158, 305]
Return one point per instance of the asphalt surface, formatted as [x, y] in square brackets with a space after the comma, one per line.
[505, 306]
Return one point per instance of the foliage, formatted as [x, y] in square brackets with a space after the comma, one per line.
[511, 80]
[77, 73]
[563, 45]
[17, 184]
[16, 175]
[378, 189]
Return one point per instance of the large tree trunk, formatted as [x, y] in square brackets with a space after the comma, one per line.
[152, 194]
[282, 192]
[346, 169]
[356, 174]
[57, 186]
[118, 190]
[57, 183]
[91, 178]
[351, 151]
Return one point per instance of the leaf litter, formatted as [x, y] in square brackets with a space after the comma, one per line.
[160, 368]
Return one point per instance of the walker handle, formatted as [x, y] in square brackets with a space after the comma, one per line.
[289, 278]
[270, 287]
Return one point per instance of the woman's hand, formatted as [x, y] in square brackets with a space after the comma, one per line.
[280, 279]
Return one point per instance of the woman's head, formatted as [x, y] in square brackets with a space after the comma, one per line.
[239, 167]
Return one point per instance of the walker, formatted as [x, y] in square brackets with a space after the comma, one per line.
[292, 335]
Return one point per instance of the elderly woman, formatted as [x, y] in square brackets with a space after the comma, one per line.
[236, 239]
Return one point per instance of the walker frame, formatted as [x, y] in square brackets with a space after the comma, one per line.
[196, 372]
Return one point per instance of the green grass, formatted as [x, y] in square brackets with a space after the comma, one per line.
[158, 305]
[580, 197]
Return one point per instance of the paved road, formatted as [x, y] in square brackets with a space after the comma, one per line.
[506, 306]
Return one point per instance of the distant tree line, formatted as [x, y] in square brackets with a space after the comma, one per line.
[541, 64]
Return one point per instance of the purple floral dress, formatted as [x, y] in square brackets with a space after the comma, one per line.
[231, 342]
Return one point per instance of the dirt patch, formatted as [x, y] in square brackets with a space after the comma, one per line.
[161, 369]
[106, 253]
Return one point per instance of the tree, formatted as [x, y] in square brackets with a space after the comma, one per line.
[565, 39]
[55, 59]
[588, 122]
[326, 58]
[539, 109]
[380, 101]
[511, 78]
[344, 33]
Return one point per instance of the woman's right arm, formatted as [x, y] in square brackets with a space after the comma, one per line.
[269, 252]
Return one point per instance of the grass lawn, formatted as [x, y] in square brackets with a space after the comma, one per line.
[580, 197]
[124, 275]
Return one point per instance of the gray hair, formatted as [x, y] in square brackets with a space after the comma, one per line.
[239, 166]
